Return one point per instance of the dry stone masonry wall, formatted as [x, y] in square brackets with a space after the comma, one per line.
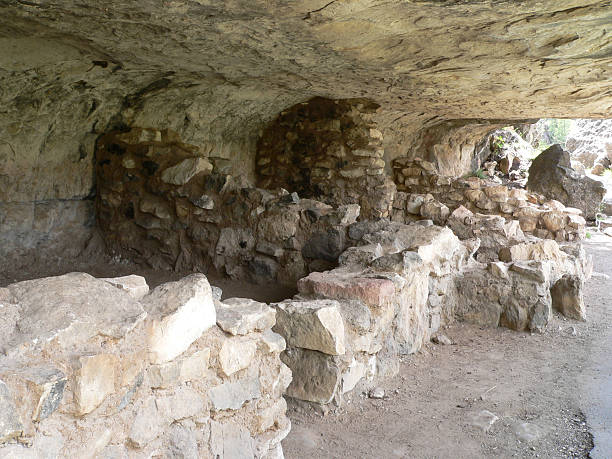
[162, 204]
[329, 150]
[423, 193]
[104, 368]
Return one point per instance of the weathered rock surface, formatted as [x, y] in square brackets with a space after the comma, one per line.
[567, 297]
[315, 325]
[590, 143]
[90, 381]
[552, 175]
[240, 316]
[69, 307]
[182, 311]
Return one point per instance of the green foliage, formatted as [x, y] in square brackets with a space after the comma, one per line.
[499, 142]
[558, 130]
[589, 235]
[479, 173]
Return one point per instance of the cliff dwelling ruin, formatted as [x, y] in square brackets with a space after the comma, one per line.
[221, 218]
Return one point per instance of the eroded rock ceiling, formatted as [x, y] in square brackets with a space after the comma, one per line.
[218, 71]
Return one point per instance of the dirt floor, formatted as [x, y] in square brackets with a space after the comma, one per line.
[440, 403]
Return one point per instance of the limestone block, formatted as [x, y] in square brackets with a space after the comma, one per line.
[499, 269]
[539, 251]
[315, 325]
[530, 269]
[148, 424]
[267, 417]
[567, 297]
[273, 342]
[136, 286]
[70, 309]
[474, 195]
[352, 375]
[184, 171]
[155, 206]
[360, 255]
[182, 311]
[184, 403]
[435, 211]
[554, 220]
[316, 376]
[235, 355]
[240, 316]
[179, 370]
[232, 395]
[414, 203]
[182, 443]
[38, 390]
[497, 193]
[10, 425]
[341, 284]
[94, 381]
[230, 440]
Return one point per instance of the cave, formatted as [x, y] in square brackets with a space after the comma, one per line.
[209, 211]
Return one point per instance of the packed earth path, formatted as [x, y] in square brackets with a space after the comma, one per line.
[492, 393]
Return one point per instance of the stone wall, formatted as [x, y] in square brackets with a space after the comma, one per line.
[348, 327]
[161, 203]
[419, 182]
[103, 368]
[329, 150]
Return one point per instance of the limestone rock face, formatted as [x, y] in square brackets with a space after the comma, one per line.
[590, 143]
[551, 174]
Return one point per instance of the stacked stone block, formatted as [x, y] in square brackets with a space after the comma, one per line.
[102, 368]
[329, 150]
[159, 203]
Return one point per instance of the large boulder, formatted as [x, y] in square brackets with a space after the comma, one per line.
[551, 174]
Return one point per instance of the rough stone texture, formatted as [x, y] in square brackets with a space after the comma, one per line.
[216, 73]
[590, 143]
[240, 316]
[82, 383]
[517, 298]
[135, 285]
[551, 174]
[181, 312]
[315, 325]
[328, 150]
[214, 220]
[567, 297]
[384, 305]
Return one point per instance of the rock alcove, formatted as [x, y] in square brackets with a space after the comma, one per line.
[344, 150]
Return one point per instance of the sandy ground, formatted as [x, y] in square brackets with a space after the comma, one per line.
[539, 386]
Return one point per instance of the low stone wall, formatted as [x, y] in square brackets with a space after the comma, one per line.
[102, 368]
[349, 326]
[521, 291]
[536, 214]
